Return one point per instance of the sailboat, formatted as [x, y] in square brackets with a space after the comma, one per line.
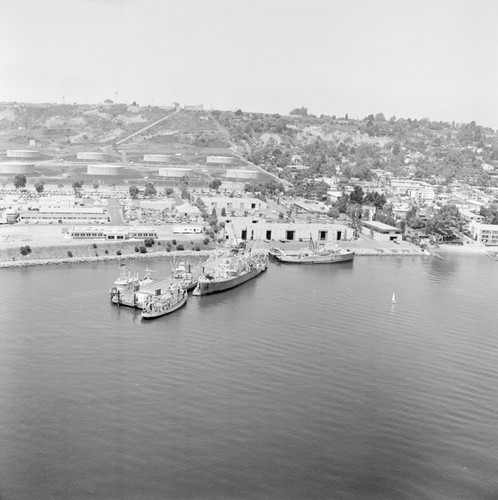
[393, 300]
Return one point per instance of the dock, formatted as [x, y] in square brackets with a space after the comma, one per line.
[137, 297]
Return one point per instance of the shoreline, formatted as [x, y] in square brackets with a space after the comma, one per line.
[359, 252]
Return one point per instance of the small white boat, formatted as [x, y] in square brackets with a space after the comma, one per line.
[393, 300]
[166, 303]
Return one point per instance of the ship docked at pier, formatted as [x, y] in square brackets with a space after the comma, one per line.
[314, 254]
[159, 305]
[230, 270]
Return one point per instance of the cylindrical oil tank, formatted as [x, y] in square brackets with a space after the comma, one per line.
[17, 167]
[23, 153]
[91, 155]
[104, 169]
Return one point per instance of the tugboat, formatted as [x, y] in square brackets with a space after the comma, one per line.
[166, 303]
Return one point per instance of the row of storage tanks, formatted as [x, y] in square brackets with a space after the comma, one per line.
[111, 169]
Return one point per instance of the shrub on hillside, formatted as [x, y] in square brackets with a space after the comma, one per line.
[142, 249]
[94, 245]
[180, 247]
[137, 249]
[206, 241]
[148, 242]
[174, 242]
[197, 248]
[69, 253]
[118, 252]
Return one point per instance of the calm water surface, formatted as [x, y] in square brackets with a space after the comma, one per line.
[303, 383]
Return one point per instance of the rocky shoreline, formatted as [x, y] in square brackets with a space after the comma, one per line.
[360, 252]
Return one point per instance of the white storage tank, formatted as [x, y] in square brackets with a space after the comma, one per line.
[174, 172]
[23, 153]
[17, 167]
[91, 155]
[104, 169]
[157, 158]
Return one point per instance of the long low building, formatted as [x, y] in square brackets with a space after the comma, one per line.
[112, 232]
[65, 215]
[245, 228]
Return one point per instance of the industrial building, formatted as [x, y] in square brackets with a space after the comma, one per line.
[17, 167]
[381, 232]
[112, 232]
[65, 215]
[27, 154]
[245, 228]
[104, 169]
[92, 156]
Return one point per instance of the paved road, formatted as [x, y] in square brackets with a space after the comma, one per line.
[145, 128]
[115, 213]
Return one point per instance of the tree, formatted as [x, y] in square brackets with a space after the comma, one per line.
[299, 112]
[150, 190]
[77, 185]
[96, 184]
[169, 191]
[357, 195]
[215, 184]
[223, 212]
[133, 190]
[39, 186]
[20, 181]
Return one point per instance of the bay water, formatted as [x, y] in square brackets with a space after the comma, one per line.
[304, 383]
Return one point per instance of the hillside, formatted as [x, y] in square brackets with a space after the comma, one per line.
[283, 146]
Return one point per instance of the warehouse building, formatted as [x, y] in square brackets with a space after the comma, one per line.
[245, 228]
[112, 232]
[65, 215]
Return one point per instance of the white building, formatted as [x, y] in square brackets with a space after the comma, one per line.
[245, 228]
[487, 234]
[112, 232]
[65, 215]
[381, 232]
